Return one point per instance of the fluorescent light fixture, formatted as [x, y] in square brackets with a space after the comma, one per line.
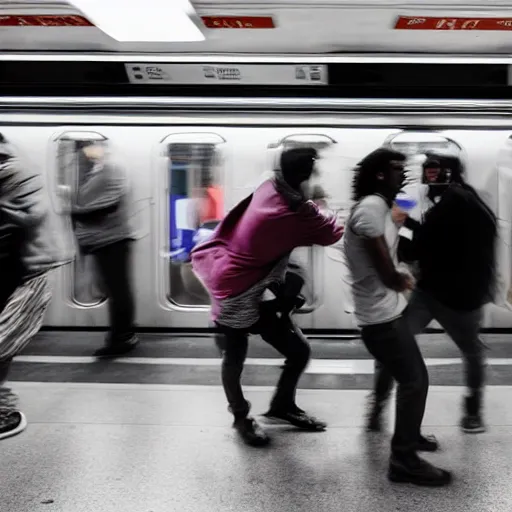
[145, 21]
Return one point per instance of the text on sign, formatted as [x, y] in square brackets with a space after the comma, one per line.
[429, 23]
[235, 22]
[44, 20]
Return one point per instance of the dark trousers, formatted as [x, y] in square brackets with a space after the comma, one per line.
[462, 326]
[394, 347]
[113, 262]
[285, 337]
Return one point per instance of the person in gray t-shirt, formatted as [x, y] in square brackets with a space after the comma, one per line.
[374, 301]
[378, 305]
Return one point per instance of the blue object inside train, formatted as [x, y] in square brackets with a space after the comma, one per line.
[181, 240]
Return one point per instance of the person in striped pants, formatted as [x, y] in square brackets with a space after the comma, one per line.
[28, 252]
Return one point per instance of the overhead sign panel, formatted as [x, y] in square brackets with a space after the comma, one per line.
[44, 20]
[247, 22]
[450, 23]
[242, 74]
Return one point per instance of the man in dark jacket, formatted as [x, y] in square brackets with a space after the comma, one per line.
[100, 212]
[28, 252]
[454, 249]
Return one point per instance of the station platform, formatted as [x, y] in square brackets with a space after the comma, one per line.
[145, 436]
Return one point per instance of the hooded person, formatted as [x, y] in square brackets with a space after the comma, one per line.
[249, 254]
[453, 250]
[29, 249]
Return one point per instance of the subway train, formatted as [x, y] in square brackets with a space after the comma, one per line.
[190, 160]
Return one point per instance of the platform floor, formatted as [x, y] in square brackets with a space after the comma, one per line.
[94, 445]
[150, 448]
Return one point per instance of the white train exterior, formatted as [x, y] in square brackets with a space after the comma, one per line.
[246, 136]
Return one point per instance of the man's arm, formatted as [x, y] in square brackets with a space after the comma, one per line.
[101, 192]
[368, 221]
[23, 203]
[378, 250]
[318, 229]
[412, 224]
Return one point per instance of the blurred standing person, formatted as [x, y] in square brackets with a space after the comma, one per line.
[28, 252]
[247, 255]
[377, 289]
[454, 250]
[100, 212]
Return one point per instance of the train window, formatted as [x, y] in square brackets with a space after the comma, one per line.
[194, 206]
[414, 143]
[76, 154]
[307, 257]
[316, 141]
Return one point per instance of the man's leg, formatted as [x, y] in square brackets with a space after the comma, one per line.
[382, 387]
[464, 329]
[287, 338]
[418, 316]
[233, 345]
[393, 345]
[114, 265]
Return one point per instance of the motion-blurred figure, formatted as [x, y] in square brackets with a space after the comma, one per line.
[249, 254]
[379, 304]
[101, 222]
[28, 251]
[453, 249]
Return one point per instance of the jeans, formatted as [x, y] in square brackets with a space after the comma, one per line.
[285, 337]
[462, 326]
[393, 345]
[114, 266]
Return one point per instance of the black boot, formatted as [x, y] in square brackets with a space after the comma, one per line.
[471, 422]
[411, 469]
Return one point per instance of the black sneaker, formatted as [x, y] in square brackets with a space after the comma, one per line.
[251, 432]
[298, 418]
[427, 444]
[12, 423]
[471, 422]
[117, 349]
[414, 470]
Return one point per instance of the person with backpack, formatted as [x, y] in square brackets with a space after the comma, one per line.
[247, 255]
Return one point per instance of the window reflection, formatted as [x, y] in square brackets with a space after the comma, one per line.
[415, 145]
[196, 207]
[71, 173]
